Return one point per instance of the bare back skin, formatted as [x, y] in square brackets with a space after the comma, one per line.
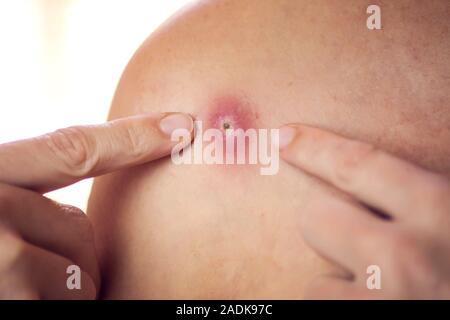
[200, 231]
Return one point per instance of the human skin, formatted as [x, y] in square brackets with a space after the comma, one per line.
[166, 231]
[46, 245]
[403, 244]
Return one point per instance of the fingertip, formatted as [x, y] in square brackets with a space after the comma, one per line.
[176, 121]
[287, 134]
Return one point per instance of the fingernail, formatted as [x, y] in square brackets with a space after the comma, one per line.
[287, 134]
[174, 121]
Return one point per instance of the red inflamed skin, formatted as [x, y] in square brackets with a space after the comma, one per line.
[233, 115]
[231, 112]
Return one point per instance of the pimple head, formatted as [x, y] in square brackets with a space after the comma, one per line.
[234, 116]
[226, 125]
[231, 112]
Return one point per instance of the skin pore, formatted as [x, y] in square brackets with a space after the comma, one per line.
[191, 231]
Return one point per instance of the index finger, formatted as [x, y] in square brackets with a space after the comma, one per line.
[374, 177]
[68, 155]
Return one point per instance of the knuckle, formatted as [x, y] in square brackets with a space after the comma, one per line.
[352, 156]
[74, 148]
[136, 140]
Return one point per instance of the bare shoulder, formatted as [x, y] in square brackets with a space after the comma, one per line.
[206, 45]
[309, 61]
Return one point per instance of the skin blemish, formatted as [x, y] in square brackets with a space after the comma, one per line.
[227, 134]
[228, 114]
[231, 112]
[226, 125]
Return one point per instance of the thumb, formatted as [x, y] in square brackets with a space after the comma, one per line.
[68, 155]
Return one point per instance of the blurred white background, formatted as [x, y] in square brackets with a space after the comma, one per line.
[60, 61]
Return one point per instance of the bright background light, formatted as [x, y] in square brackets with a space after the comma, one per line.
[60, 61]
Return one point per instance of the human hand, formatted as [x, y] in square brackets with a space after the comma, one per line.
[40, 238]
[391, 214]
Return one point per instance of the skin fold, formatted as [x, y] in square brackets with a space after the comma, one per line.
[199, 231]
